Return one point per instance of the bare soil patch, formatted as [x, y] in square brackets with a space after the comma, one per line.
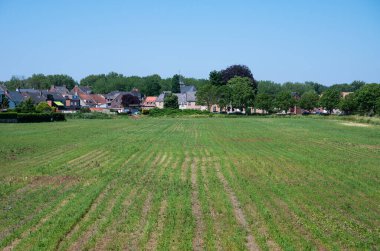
[196, 208]
[153, 242]
[240, 217]
[355, 124]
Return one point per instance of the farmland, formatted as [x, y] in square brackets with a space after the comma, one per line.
[190, 183]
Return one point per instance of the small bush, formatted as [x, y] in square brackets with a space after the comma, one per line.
[145, 112]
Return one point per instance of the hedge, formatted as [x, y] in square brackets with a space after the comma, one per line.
[32, 117]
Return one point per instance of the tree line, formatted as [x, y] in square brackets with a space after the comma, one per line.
[233, 86]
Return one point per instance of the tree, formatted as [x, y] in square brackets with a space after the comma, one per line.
[264, 101]
[238, 71]
[39, 81]
[242, 95]
[299, 88]
[330, 99]
[207, 95]
[4, 102]
[26, 106]
[284, 101]
[223, 96]
[171, 101]
[215, 78]
[268, 87]
[176, 80]
[43, 107]
[367, 97]
[60, 80]
[348, 104]
[152, 85]
[309, 100]
[318, 88]
[128, 99]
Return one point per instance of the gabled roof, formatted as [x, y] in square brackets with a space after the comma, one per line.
[150, 99]
[191, 96]
[99, 99]
[181, 98]
[35, 97]
[162, 96]
[15, 96]
[187, 88]
[28, 90]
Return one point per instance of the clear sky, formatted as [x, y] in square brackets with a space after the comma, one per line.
[328, 41]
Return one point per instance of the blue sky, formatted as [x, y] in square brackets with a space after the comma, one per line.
[328, 41]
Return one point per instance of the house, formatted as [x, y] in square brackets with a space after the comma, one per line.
[111, 96]
[160, 99]
[81, 89]
[62, 90]
[188, 100]
[149, 103]
[15, 98]
[117, 102]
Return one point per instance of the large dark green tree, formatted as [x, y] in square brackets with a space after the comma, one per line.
[171, 101]
[238, 71]
[207, 95]
[348, 104]
[367, 99]
[152, 85]
[264, 101]
[176, 81]
[284, 101]
[330, 99]
[242, 94]
[215, 78]
[309, 100]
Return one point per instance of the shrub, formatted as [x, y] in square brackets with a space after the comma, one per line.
[84, 110]
[43, 107]
[8, 115]
[145, 112]
[92, 115]
[34, 117]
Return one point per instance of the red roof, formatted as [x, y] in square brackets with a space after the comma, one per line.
[150, 99]
[99, 99]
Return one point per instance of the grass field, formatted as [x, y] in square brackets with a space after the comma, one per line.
[182, 184]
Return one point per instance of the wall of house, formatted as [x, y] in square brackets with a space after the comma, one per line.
[160, 105]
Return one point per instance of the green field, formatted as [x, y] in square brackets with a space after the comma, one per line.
[190, 183]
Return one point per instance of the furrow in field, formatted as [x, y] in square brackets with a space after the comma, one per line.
[216, 228]
[85, 217]
[153, 241]
[112, 232]
[196, 208]
[184, 167]
[39, 224]
[85, 156]
[139, 230]
[111, 201]
[240, 217]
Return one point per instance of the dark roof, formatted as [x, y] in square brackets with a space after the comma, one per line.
[15, 96]
[187, 88]
[86, 89]
[36, 97]
[162, 96]
[28, 90]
